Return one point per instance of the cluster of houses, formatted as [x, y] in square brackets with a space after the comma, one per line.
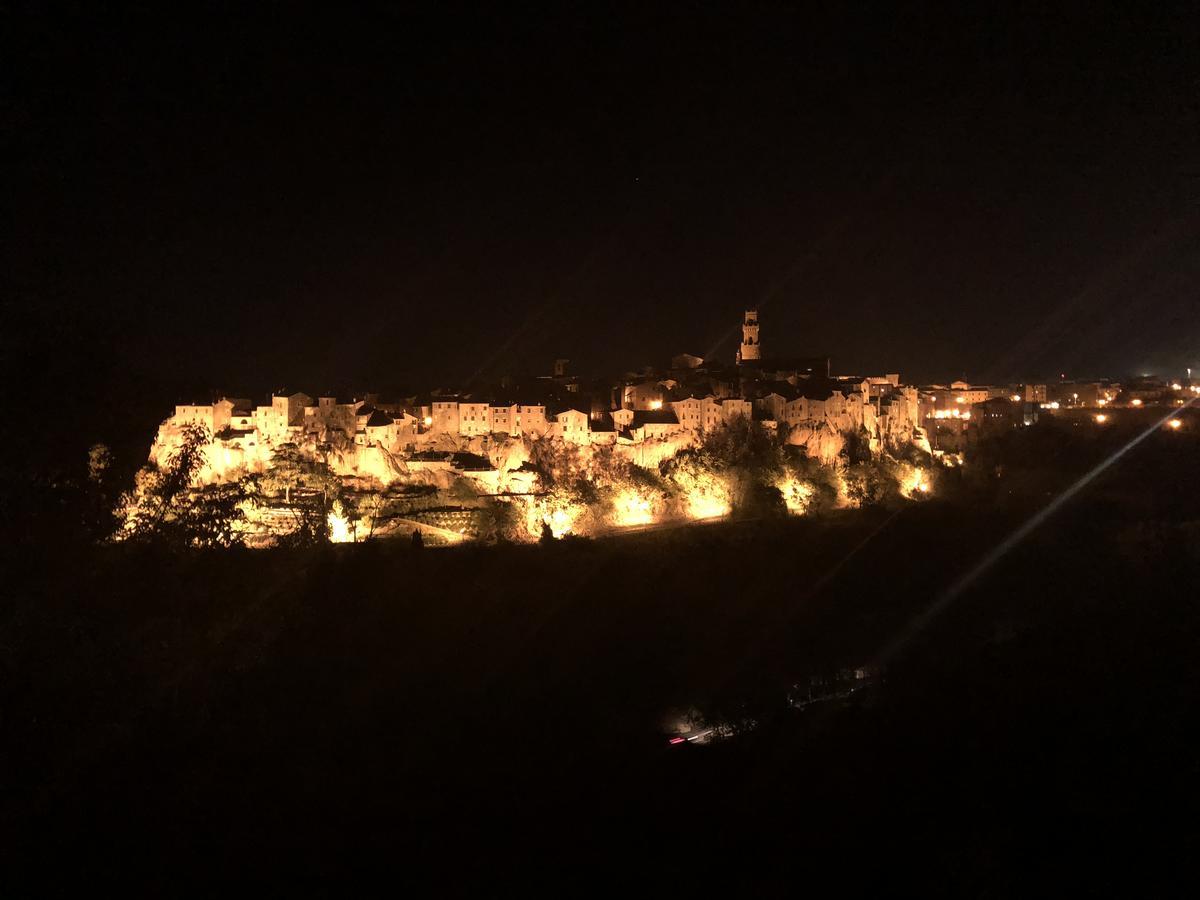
[690, 396]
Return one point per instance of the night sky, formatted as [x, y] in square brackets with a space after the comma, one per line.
[241, 200]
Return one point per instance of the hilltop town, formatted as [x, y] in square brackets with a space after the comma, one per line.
[495, 442]
[647, 416]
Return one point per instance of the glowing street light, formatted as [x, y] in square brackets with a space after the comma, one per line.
[656, 404]
[1175, 424]
[1015, 398]
[1136, 401]
[1101, 418]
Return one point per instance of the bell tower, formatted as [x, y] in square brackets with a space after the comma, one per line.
[750, 350]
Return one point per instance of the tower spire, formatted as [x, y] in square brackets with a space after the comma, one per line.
[750, 351]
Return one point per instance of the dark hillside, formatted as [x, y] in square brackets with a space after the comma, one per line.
[482, 707]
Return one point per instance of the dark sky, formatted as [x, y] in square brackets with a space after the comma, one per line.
[240, 199]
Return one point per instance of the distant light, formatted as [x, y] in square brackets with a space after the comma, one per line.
[1101, 418]
[960, 399]
[677, 740]
[1102, 401]
[1015, 398]
[1176, 424]
[656, 404]
[428, 421]
[1136, 401]
[1177, 386]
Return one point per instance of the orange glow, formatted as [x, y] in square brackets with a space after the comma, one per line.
[560, 513]
[1176, 424]
[632, 508]
[656, 404]
[340, 530]
[796, 494]
[702, 505]
[1101, 418]
[1135, 402]
[913, 481]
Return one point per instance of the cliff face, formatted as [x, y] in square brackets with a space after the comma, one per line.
[821, 441]
[233, 455]
[230, 458]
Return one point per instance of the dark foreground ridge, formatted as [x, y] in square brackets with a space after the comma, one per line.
[482, 711]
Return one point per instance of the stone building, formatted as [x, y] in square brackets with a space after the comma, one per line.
[750, 350]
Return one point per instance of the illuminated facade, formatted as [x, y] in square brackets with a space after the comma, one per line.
[750, 350]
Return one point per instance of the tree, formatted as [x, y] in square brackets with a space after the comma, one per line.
[763, 500]
[308, 488]
[100, 518]
[741, 443]
[498, 520]
[857, 447]
[166, 508]
[464, 490]
[99, 463]
[870, 484]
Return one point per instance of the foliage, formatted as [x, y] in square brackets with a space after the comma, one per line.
[857, 447]
[910, 453]
[370, 510]
[309, 490]
[730, 469]
[464, 490]
[99, 463]
[823, 480]
[870, 484]
[165, 509]
[763, 501]
[292, 471]
[743, 444]
[498, 521]
[99, 515]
